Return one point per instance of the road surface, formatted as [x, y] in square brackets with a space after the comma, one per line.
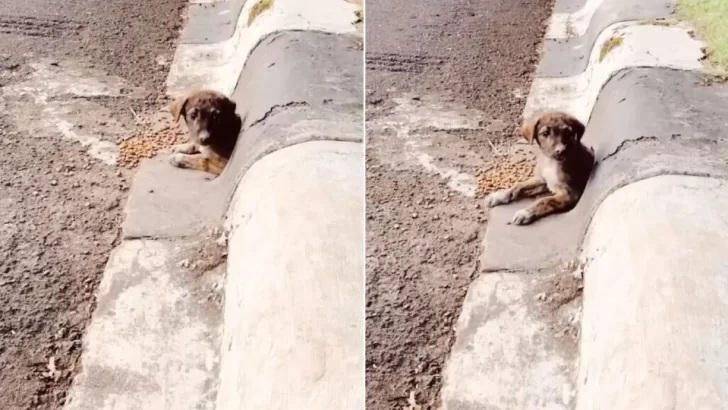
[71, 74]
[446, 86]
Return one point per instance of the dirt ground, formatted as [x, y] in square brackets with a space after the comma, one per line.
[60, 200]
[446, 86]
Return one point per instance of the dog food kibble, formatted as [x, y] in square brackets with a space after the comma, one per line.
[148, 144]
[504, 175]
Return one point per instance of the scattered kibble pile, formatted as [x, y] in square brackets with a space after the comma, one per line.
[148, 144]
[504, 175]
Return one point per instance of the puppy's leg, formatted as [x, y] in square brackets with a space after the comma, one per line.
[530, 187]
[186, 148]
[215, 162]
[561, 202]
[205, 161]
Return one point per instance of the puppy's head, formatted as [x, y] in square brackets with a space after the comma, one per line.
[205, 112]
[556, 133]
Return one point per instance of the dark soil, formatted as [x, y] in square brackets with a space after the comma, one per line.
[60, 210]
[421, 259]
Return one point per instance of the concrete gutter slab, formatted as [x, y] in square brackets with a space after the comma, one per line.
[647, 122]
[168, 202]
[150, 315]
[211, 22]
[515, 348]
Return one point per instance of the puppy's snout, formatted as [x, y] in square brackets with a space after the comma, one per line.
[203, 136]
[559, 150]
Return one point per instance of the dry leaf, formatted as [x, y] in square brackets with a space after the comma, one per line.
[52, 372]
[412, 402]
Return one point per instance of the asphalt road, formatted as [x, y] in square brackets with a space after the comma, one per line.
[446, 86]
[71, 73]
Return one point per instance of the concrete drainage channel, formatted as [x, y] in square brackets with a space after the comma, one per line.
[647, 237]
[213, 299]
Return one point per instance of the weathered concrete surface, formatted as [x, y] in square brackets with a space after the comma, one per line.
[513, 351]
[167, 202]
[297, 87]
[211, 22]
[621, 46]
[314, 70]
[294, 295]
[154, 337]
[218, 65]
[573, 32]
[647, 122]
[656, 298]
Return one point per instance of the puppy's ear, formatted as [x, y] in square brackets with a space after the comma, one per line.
[178, 107]
[529, 129]
[575, 125]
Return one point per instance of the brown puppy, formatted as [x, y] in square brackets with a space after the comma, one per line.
[213, 125]
[563, 168]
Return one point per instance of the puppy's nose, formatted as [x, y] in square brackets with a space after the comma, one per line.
[559, 150]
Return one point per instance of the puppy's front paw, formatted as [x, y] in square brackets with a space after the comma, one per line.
[177, 160]
[522, 217]
[496, 198]
[187, 148]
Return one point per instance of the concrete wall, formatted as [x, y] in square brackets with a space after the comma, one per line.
[294, 316]
[656, 298]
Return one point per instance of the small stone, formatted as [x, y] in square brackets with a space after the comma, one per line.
[414, 215]
[54, 182]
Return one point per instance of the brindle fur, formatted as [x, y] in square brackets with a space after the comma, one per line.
[213, 126]
[563, 168]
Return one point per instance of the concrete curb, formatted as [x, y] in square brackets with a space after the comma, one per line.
[619, 47]
[657, 132]
[654, 324]
[280, 325]
[294, 327]
[574, 28]
[218, 65]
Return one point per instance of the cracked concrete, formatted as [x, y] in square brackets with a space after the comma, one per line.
[277, 109]
[624, 144]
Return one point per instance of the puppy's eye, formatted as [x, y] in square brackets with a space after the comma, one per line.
[543, 132]
[193, 114]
